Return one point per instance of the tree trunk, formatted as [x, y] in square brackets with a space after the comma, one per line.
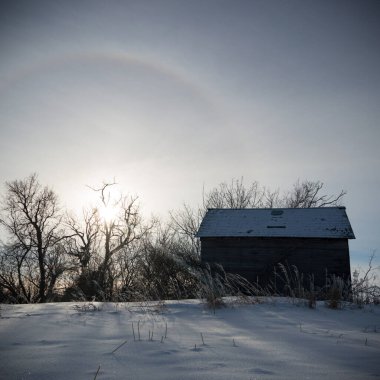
[41, 265]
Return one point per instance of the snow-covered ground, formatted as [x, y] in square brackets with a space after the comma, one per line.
[271, 340]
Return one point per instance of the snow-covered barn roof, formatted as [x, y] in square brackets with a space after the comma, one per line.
[322, 222]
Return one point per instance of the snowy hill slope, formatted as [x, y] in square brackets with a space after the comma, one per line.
[272, 340]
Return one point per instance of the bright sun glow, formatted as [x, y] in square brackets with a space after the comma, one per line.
[108, 213]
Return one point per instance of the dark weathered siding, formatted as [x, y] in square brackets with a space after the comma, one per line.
[255, 258]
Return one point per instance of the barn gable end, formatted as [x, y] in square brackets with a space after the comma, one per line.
[251, 242]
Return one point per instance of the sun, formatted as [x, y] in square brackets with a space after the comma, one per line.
[108, 213]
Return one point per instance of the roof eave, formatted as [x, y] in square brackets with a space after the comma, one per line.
[351, 237]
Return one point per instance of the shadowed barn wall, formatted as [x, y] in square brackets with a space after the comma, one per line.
[256, 258]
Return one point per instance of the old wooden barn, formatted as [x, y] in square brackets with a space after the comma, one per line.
[251, 242]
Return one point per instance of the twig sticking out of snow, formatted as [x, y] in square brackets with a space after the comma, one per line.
[138, 329]
[96, 374]
[118, 347]
[166, 329]
[133, 330]
[233, 342]
[203, 342]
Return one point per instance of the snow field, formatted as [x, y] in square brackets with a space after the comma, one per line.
[271, 340]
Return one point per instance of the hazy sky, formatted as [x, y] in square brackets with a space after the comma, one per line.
[170, 96]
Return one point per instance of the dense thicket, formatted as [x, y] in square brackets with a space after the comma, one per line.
[110, 252]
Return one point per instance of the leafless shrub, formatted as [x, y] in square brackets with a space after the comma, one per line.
[87, 307]
[335, 292]
[364, 287]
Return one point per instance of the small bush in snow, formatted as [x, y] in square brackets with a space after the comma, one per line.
[87, 307]
[335, 292]
[365, 290]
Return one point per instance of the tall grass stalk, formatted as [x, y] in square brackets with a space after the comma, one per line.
[121, 345]
[96, 374]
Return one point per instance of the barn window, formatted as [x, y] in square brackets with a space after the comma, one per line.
[276, 226]
[277, 212]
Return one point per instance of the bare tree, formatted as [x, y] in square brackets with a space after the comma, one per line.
[235, 195]
[33, 221]
[127, 270]
[84, 242]
[308, 194]
[120, 230]
[272, 198]
[18, 274]
[185, 222]
[108, 231]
